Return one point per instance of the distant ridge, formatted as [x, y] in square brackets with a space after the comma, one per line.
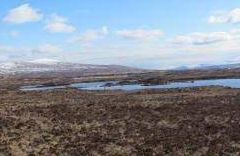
[224, 66]
[208, 67]
[47, 66]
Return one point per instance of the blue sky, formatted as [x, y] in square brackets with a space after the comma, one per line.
[146, 33]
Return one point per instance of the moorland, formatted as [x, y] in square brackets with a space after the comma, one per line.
[189, 121]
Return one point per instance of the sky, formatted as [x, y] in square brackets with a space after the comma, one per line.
[150, 34]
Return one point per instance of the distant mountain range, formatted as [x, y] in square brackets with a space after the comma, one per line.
[209, 67]
[49, 66]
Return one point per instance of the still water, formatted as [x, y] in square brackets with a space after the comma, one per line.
[113, 85]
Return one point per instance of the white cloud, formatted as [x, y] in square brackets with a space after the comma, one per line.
[189, 49]
[232, 16]
[90, 36]
[6, 49]
[22, 14]
[105, 30]
[26, 53]
[219, 46]
[48, 48]
[8, 52]
[199, 38]
[58, 24]
[140, 34]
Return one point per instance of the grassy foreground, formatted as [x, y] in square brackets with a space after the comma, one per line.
[200, 121]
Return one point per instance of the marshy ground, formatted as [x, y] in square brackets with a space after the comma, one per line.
[191, 121]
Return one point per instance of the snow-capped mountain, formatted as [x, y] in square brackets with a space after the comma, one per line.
[40, 66]
[224, 66]
[209, 67]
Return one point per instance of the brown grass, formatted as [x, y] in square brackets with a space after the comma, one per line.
[200, 121]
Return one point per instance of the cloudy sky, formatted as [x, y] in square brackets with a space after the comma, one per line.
[141, 33]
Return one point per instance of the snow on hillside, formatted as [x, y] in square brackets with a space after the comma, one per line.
[45, 61]
[46, 65]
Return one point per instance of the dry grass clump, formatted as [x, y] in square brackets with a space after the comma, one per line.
[202, 121]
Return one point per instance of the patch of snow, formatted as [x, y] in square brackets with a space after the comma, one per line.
[45, 61]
